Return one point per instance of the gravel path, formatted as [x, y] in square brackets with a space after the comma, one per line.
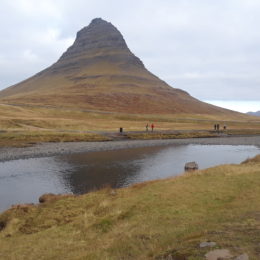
[52, 149]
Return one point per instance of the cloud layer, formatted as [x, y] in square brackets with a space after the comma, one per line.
[208, 48]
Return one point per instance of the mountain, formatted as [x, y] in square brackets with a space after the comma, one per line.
[99, 72]
[257, 113]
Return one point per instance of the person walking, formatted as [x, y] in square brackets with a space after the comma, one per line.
[152, 126]
[146, 127]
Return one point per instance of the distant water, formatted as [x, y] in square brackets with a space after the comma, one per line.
[23, 181]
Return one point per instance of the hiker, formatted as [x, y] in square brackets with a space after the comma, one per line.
[146, 127]
[152, 126]
[215, 127]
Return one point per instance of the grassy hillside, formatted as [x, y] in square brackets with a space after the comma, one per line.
[25, 117]
[165, 219]
[107, 88]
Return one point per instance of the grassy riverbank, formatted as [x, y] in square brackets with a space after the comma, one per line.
[24, 138]
[22, 125]
[173, 135]
[183, 134]
[28, 138]
[149, 220]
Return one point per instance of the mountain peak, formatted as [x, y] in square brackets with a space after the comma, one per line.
[98, 24]
[99, 37]
[98, 21]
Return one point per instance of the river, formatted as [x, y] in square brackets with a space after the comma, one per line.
[24, 180]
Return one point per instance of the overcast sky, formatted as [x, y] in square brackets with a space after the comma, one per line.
[209, 48]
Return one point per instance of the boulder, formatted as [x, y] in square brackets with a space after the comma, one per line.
[242, 257]
[47, 197]
[207, 244]
[191, 166]
[218, 254]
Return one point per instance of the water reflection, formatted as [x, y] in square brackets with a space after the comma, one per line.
[114, 168]
[23, 181]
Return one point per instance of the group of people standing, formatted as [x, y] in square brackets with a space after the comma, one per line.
[147, 127]
[217, 126]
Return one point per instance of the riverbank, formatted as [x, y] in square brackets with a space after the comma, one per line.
[201, 213]
[62, 148]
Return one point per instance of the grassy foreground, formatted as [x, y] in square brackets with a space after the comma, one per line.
[152, 220]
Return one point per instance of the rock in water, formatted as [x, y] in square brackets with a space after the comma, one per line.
[191, 166]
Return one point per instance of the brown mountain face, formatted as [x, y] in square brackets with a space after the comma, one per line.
[99, 72]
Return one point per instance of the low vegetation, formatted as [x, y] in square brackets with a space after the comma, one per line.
[175, 135]
[22, 125]
[243, 132]
[28, 138]
[164, 219]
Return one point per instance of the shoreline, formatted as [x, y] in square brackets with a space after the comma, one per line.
[57, 149]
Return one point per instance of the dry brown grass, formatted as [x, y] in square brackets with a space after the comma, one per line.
[177, 135]
[28, 138]
[256, 159]
[73, 123]
[12, 117]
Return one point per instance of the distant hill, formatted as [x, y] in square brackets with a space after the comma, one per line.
[257, 113]
[99, 72]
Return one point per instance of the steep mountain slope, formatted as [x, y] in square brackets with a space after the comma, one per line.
[100, 72]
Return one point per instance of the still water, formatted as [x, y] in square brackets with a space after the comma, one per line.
[23, 181]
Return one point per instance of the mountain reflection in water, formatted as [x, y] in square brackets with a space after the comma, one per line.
[23, 181]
